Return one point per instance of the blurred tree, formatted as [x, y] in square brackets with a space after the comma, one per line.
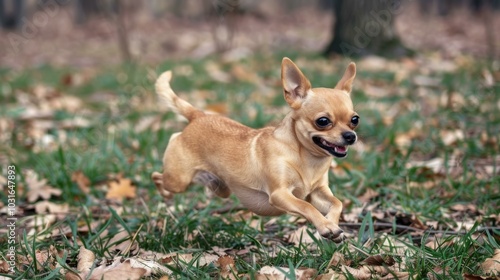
[112, 9]
[88, 8]
[11, 13]
[443, 6]
[364, 27]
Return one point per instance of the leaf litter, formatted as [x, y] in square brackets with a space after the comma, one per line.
[39, 189]
[121, 189]
[396, 226]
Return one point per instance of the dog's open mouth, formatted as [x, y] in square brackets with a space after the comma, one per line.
[334, 150]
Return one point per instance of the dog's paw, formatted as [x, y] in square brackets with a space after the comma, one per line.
[158, 180]
[340, 238]
[336, 235]
[166, 194]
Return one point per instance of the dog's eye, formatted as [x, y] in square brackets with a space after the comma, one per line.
[323, 122]
[355, 120]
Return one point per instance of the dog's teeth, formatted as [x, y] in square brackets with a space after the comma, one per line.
[340, 149]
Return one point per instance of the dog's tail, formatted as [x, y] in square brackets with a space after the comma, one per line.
[179, 105]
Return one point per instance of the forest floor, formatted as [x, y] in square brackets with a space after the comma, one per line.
[81, 133]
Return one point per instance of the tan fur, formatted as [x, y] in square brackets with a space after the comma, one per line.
[273, 170]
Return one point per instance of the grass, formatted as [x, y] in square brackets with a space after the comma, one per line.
[402, 125]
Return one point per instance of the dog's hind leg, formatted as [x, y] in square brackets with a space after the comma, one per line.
[178, 171]
[213, 183]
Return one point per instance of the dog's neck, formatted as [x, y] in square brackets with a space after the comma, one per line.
[286, 133]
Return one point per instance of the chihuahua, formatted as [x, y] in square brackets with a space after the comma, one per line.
[273, 170]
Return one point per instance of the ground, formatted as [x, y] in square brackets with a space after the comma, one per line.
[80, 134]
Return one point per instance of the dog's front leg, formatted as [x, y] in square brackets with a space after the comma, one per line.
[286, 201]
[330, 206]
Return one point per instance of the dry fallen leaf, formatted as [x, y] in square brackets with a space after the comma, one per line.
[438, 272]
[42, 258]
[450, 137]
[404, 140]
[4, 267]
[354, 215]
[379, 260]
[489, 80]
[117, 270]
[153, 255]
[398, 275]
[358, 273]
[121, 189]
[331, 275]
[86, 259]
[416, 223]
[219, 108]
[368, 195]
[216, 73]
[491, 266]
[151, 267]
[301, 236]
[250, 218]
[77, 122]
[39, 222]
[440, 243]
[180, 259]
[148, 122]
[122, 242]
[31, 113]
[336, 260]
[391, 244]
[478, 277]
[373, 272]
[425, 81]
[426, 185]
[227, 267]
[246, 75]
[43, 207]
[81, 180]
[436, 165]
[274, 273]
[66, 102]
[464, 208]
[39, 188]
[3, 182]
[47, 257]
[73, 79]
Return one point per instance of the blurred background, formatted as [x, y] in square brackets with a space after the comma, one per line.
[94, 33]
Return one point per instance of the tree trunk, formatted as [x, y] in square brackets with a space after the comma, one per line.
[11, 18]
[364, 27]
[121, 29]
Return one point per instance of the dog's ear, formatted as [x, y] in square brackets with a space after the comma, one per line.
[346, 82]
[295, 84]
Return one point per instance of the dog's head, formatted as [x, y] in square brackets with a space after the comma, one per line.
[324, 117]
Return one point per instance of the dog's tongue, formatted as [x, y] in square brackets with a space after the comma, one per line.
[338, 149]
[341, 149]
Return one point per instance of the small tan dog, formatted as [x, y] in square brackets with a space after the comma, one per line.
[273, 170]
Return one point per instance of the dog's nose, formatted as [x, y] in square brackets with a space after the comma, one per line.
[349, 137]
